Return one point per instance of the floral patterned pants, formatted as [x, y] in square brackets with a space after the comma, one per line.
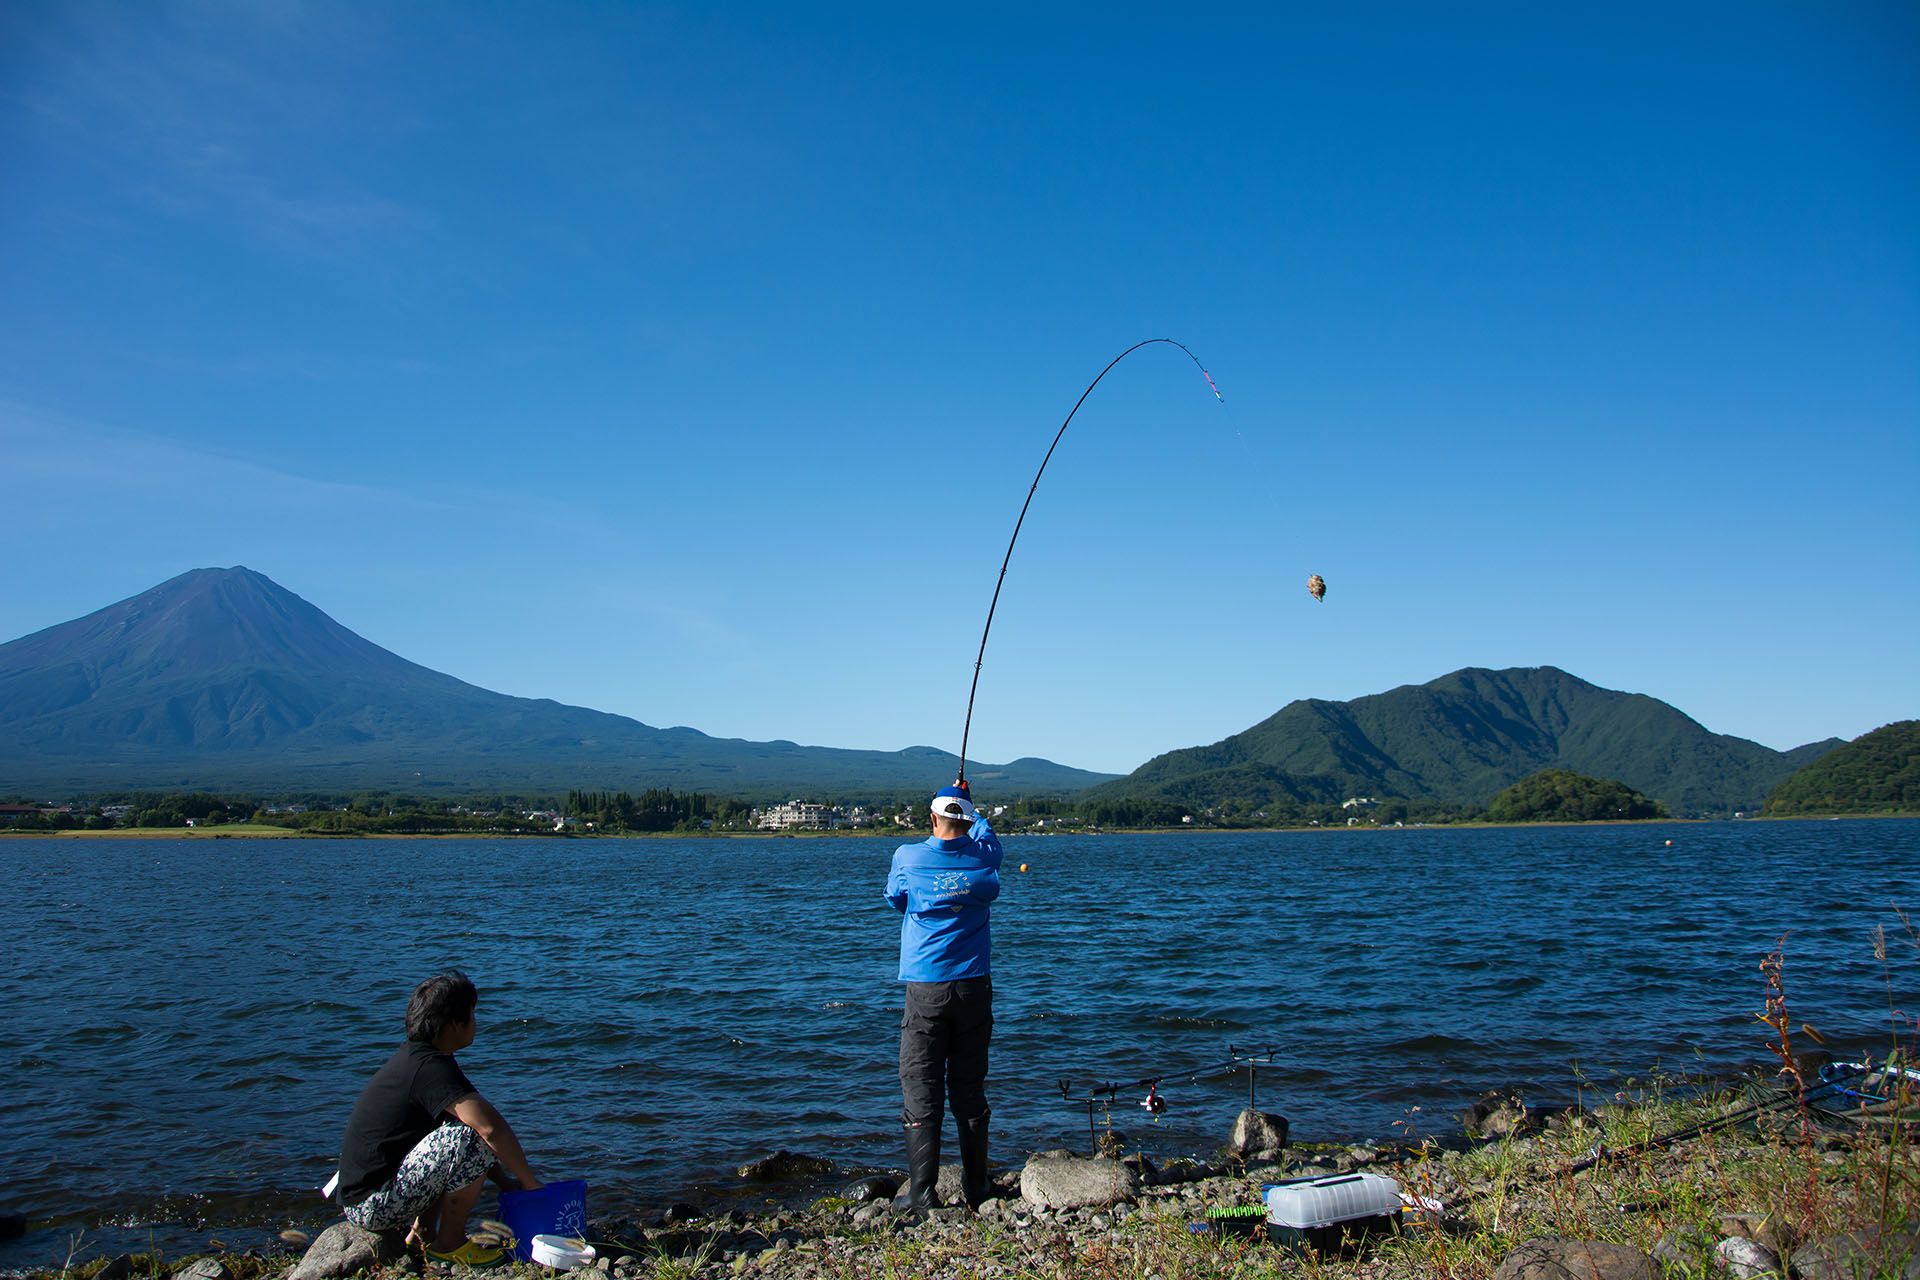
[451, 1156]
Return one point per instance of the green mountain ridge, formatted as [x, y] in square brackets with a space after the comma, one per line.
[1462, 738]
[1877, 772]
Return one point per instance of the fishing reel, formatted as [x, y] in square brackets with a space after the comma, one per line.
[1153, 1104]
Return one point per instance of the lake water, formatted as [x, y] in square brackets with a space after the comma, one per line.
[184, 1025]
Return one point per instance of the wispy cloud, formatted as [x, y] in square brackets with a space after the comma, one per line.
[717, 638]
[96, 463]
[215, 113]
[96, 460]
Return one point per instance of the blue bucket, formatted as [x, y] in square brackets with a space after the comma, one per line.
[556, 1209]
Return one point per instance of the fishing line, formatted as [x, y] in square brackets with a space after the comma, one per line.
[987, 630]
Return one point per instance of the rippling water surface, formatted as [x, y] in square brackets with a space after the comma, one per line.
[184, 1025]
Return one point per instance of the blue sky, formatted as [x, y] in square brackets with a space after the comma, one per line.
[692, 362]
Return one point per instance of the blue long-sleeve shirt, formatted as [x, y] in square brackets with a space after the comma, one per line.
[942, 888]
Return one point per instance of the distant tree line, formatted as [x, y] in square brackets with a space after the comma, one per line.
[657, 809]
[1554, 795]
[390, 813]
[136, 810]
[1119, 812]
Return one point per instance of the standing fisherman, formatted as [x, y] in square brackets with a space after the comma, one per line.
[942, 886]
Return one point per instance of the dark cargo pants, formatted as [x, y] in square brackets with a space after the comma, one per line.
[943, 1049]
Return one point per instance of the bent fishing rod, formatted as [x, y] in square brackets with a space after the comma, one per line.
[987, 630]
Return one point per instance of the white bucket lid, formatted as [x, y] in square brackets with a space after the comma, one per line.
[564, 1253]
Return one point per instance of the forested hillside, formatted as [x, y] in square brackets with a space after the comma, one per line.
[1878, 772]
[1460, 739]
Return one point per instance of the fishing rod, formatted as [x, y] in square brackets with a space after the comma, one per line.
[1831, 1082]
[1109, 1091]
[1602, 1152]
[987, 630]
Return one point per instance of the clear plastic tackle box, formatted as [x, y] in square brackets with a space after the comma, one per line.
[1332, 1210]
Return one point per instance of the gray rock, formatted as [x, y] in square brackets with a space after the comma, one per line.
[1556, 1258]
[992, 1207]
[1757, 1226]
[1747, 1259]
[1258, 1133]
[1683, 1248]
[785, 1166]
[1101, 1222]
[876, 1187]
[1066, 1181]
[204, 1269]
[947, 1188]
[119, 1268]
[1181, 1169]
[1860, 1253]
[1495, 1115]
[615, 1228]
[343, 1249]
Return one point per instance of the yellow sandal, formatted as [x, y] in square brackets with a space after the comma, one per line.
[476, 1257]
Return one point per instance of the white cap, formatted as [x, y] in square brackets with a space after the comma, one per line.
[949, 803]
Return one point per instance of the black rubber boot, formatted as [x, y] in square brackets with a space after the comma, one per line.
[923, 1168]
[973, 1159]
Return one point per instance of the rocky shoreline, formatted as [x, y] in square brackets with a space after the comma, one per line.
[1519, 1196]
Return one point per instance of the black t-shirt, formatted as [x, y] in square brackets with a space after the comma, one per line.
[400, 1105]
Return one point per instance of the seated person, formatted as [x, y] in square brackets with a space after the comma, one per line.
[422, 1140]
